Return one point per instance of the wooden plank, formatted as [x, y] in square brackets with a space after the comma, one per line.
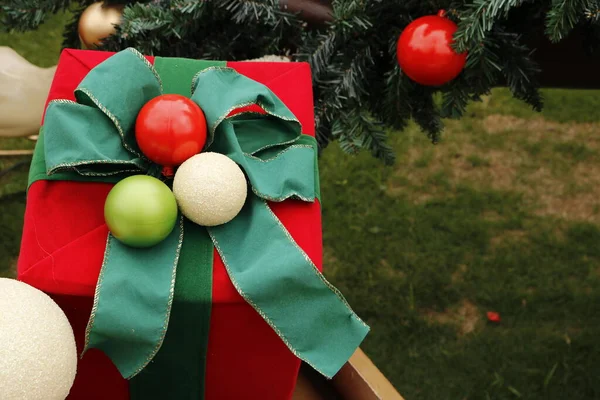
[306, 389]
[12, 153]
[359, 379]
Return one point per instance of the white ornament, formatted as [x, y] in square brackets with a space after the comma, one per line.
[38, 356]
[210, 189]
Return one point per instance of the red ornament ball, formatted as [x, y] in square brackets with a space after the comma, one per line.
[424, 51]
[170, 129]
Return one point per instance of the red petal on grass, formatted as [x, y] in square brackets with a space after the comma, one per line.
[493, 316]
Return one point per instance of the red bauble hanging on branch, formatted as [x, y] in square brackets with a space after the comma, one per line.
[424, 51]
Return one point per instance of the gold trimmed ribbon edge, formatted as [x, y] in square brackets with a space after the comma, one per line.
[258, 310]
[148, 64]
[169, 303]
[314, 267]
[296, 120]
[91, 320]
[245, 104]
[282, 198]
[111, 116]
[288, 148]
[262, 314]
[73, 165]
[291, 195]
[62, 101]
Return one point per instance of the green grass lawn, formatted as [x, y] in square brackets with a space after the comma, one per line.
[501, 216]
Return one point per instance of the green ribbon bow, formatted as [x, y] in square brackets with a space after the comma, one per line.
[93, 139]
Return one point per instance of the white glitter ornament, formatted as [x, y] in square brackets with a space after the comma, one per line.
[38, 357]
[210, 189]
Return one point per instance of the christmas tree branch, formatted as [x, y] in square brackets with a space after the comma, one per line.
[478, 18]
[25, 15]
[359, 90]
[425, 112]
[519, 70]
[391, 102]
[455, 98]
[563, 16]
[592, 12]
[248, 11]
[71, 32]
[323, 48]
[357, 130]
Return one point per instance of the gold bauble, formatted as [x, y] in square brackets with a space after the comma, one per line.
[98, 22]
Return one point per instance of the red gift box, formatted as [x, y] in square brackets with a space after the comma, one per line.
[64, 238]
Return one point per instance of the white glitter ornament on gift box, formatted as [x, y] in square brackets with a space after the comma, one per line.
[38, 356]
[210, 189]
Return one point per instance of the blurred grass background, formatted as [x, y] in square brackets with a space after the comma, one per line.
[501, 216]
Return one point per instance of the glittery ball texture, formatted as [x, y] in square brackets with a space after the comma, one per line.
[38, 356]
[210, 189]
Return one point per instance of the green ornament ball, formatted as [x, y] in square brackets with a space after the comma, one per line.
[140, 211]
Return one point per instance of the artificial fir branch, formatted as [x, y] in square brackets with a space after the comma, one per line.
[25, 15]
[357, 130]
[563, 16]
[353, 78]
[248, 11]
[147, 20]
[323, 50]
[592, 12]
[519, 70]
[393, 104]
[350, 16]
[478, 18]
[425, 112]
[359, 90]
[485, 60]
[71, 34]
[455, 98]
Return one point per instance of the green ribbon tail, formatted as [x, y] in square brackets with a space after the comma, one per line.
[133, 301]
[279, 280]
[267, 267]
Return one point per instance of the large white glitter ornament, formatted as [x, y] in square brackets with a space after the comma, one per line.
[210, 189]
[38, 357]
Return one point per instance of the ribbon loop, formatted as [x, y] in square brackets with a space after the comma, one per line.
[95, 136]
[220, 91]
[288, 173]
[263, 144]
[68, 127]
[121, 95]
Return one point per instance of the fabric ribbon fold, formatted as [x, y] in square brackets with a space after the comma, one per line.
[276, 276]
[249, 124]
